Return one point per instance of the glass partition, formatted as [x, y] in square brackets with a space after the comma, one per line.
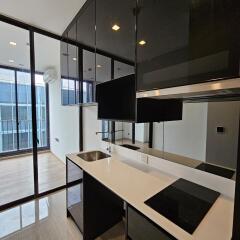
[16, 172]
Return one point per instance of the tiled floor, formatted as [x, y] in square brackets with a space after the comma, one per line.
[45, 219]
[16, 176]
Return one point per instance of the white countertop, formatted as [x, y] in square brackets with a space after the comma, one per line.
[136, 182]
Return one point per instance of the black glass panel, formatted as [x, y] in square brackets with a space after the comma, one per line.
[103, 68]
[72, 33]
[121, 15]
[186, 42]
[184, 203]
[86, 24]
[223, 172]
[122, 69]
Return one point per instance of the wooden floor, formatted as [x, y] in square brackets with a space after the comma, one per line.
[16, 176]
[45, 219]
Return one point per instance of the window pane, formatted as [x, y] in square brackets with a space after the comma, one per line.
[41, 100]
[7, 111]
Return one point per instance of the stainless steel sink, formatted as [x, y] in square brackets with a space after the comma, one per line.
[93, 156]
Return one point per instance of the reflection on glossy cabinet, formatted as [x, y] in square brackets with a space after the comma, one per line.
[74, 193]
[86, 24]
[186, 42]
[140, 228]
[115, 28]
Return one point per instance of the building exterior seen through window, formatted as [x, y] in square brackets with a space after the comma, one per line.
[71, 94]
[16, 110]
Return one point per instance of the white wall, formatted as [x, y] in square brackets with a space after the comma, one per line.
[127, 130]
[64, 120]
[142, 132]
[64, 124]
[91, 125]
[186, 137]
[222, 148]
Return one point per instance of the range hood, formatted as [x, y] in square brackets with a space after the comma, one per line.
[218, 89]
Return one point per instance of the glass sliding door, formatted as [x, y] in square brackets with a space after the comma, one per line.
[24, 107]
[16, 172]
[51, 167]
[42, 111]
[16, 113]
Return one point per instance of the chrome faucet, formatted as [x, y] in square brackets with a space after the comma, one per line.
[109, 149]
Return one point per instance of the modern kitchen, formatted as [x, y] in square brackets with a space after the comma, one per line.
[142, 120]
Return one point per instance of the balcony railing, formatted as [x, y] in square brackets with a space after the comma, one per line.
[13, 138]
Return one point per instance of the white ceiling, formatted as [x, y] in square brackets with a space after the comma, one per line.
[50, 15]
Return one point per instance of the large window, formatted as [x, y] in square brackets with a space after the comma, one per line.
[16, 112]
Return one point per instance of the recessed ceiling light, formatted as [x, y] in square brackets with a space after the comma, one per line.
[99, 66]
[74, 59]
[11, 61]
[142, 42]
[13, 43]
[115, 27]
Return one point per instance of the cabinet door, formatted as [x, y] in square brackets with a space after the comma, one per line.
[103, 68]
[186, 42]
[73, 76]
[86, 36]
[118, 15]
[86, 24]
[74, 173]
[72, 32]
[122, 69]
[64, 72]
[140, 228]
[75, 193]
[88, 85]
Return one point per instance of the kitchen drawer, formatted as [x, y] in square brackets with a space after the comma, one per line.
[140, 228]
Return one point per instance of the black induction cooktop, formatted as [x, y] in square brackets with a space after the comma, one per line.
[220, 171]
[184, 203]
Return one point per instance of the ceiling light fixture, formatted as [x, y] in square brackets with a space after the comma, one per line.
[142, 42]
[115, 27]
[12, 43]
[11, 61]
[74, 59]
[99, 66]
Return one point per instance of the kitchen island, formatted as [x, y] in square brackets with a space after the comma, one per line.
[134, 183]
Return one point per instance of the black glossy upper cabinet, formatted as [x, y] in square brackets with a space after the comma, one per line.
[115, 29]
[186, 42]
[117, 102]
[85, 22]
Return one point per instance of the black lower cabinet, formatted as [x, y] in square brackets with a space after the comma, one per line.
[75, 204]
[74, 193]
[95, 209]
[102, 208]
[141, 228]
